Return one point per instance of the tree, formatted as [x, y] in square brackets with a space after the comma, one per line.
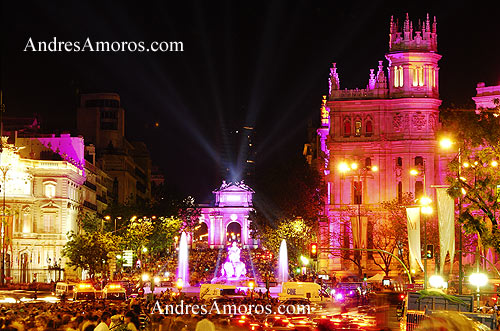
[91, 250]
[162, 238]
[478, 185]
[190, 214]
[138, 234]
[297, 234]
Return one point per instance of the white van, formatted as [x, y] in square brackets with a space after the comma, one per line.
[300, 290]
[114, 291]
[64, 288]
[211, 291]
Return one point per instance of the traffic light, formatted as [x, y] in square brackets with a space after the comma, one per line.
[313, 252]
[430, 251]
[365, 278]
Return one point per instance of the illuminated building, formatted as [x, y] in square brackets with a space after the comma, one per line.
[101, 120]
[487, 97]
[385, 129]
[42, 202]
[227, 220]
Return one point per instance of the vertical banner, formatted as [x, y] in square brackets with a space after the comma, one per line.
[446, 217]
[413, 216]
[364, 228]
[355, 228]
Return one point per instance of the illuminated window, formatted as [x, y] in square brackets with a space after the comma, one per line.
[415, 76]
[400, 76]
[357, 188]
[357, 128]
[49, 222]
[50, 189]
[368, 128]
[420, 76]
[347, 128]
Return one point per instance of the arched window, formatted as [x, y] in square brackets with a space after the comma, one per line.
[368, 128]
[399, 162]
[398, 76]
[368, 162]
[419, 161]
[347, 128]
[357, 128]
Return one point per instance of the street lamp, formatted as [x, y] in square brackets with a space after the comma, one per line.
[478, 279]
[304, 260]
[447, 143]
[345, 167]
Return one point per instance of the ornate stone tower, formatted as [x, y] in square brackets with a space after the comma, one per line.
[413, 69]
[371, 138]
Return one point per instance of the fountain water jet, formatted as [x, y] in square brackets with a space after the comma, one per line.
[183, 261]
[283, 263]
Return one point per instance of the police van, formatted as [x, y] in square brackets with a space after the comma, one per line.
[300, 290]
[114, 291]
[84, 291]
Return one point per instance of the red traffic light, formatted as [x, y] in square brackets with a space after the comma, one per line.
[402, 296]
[313, 251]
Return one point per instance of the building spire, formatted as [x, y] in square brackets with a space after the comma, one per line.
[334, 80]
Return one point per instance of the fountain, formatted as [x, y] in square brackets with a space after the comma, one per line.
[183, 264]
[233, 270]
[283, 263]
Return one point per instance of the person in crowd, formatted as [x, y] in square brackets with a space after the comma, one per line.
[105, 322]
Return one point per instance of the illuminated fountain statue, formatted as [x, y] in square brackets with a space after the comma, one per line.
[233, 268]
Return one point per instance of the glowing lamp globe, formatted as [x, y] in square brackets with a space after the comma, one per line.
[436, 281]
[446, 143]
[478, 279]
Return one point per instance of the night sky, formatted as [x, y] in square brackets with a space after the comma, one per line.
[263, 64]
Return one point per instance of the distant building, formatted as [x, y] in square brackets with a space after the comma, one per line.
[238, 153]
[101, 120]
[227, 219]
[487, 97]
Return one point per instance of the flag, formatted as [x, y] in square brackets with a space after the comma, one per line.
[446, 218]
[413, 217]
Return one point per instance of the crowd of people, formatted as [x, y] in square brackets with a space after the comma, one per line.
[72, 316]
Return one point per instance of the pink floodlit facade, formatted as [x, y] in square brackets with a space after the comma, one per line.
[487, 97]
[386, 129]
[233, 203]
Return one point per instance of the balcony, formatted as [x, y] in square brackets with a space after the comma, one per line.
[91, 186]
[89, 205]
